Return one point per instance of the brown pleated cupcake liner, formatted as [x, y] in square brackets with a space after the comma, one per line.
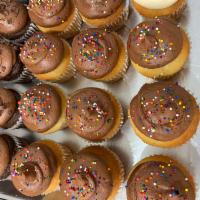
[25, 77]
[118, 160]
[17, 125]
[30, 30]
[74, 27]
[20, 144]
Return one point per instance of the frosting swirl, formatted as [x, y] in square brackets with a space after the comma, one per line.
[8, 106]
[42, 53]
[90, 113]
[32, 169]
[95, 52]
[7, 60]
[97, 9]
[40, 107]
[85, 177]
[5, 155]
[162, 110]
[159, 180]
[49, 13]
[13, 17]
[155, 43]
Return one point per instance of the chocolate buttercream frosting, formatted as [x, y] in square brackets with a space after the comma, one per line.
[49, 13]
[155, 43]
[7, 60]
[9, 145]
[42, 53]
[32, 169]
[8, 108]
[86, 177]
[13, 17]
[90, 113]
[162, 110]
[40, 107]
[10, 65]
[7, 148]
[159, 180]
[97, 9]
[95, 52]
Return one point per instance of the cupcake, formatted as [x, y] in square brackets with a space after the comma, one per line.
[164, 114]
[101, 13]
[48, 57]
[94, 114]
[160, 177]
[15, 25]
[9, 145]
[11, 69]
[100, 55]
[42, 108]
[60, 17]
[152, 8]
[158, 48]
[35, 170]
[94, 173]
[9, 114]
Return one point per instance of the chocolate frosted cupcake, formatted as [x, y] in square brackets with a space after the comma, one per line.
[11, 69]
[94, 173]
[164, 114]
[48, 57]
[9, 145]
[59, 17]
[94, 114]
[167, 8]
[35, 169]
[42, 108]
[14, 21]
[9, 114]
[100, 55]
[158, 48]
[101, 13]
[160, 177]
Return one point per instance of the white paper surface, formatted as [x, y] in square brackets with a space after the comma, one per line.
[129, 147]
